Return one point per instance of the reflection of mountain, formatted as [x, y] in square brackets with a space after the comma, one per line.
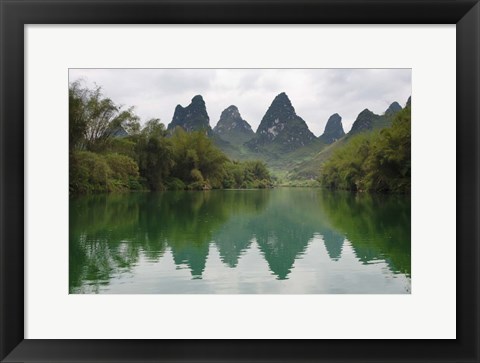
[193, 255]
[111, 234]
[272, 227]
[184, 221]
[333, 243]
[104, 229]
[233, 238]
[283, 232]
[281, 246]
[378, 226]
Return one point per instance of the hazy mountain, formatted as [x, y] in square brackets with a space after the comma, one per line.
[281, 127]
[232, 127]
[283, 139]
[366, 121]
[393, 108]
[194, 117]
[333, 129]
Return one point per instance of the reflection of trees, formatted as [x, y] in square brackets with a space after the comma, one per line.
[102, 248]
[378, 226]
[109, 234]
[184, 221]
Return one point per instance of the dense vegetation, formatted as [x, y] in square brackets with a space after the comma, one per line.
[379, 161]
[110, 151]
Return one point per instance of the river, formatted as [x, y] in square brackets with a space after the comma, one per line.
[274, 241]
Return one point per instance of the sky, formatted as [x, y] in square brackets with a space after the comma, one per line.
[316, 94]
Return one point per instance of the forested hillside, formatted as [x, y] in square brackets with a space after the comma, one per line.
[365, 123]
[110, 151]
[379, 161]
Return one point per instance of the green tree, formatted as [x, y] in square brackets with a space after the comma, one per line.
[388, 167]
[94, 119]
[154, 154]
[247, 174]
[77, 99]
[100, 173]
[197, 161]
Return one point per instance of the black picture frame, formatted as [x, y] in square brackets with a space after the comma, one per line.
[15, 14]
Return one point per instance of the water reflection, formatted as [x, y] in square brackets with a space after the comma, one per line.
[116, 236]
[333, 243]
[378, 226]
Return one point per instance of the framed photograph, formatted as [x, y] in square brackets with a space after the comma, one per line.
[198, 206]
[239, 181]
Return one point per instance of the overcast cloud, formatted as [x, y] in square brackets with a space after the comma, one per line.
[315, 93]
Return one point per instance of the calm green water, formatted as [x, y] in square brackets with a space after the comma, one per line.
[284, 240]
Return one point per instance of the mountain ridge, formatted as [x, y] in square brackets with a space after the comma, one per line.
[283, 139]
[232, 127]
[281, 127]
[333, 129]
[193, 117]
